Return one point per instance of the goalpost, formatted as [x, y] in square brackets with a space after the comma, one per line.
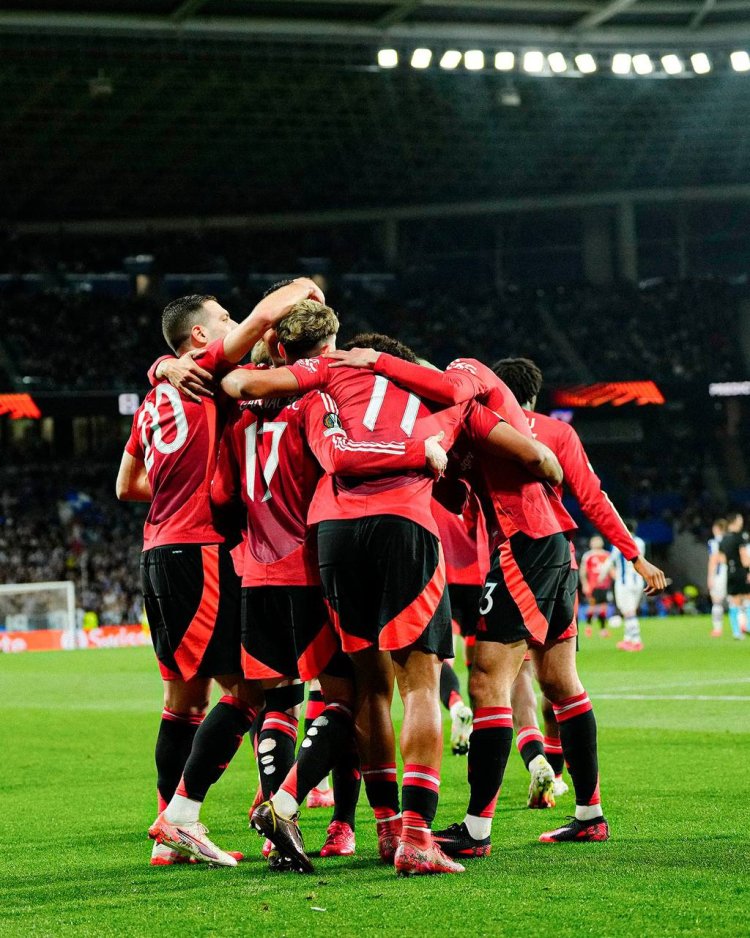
[28, 607]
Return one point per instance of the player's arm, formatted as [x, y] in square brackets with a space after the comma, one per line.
[583, 576]
[251, 383]
[339, 455]
[586, 485]
[132, 483]
[653, 575]
[442, 387]
[713, 562]
[189, 377]
[493, 435]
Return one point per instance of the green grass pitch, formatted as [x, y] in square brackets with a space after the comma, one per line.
[76, 745]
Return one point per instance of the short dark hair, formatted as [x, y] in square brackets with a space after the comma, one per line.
[276, 286]
[522, 376]
[180, 316]
[382, 343]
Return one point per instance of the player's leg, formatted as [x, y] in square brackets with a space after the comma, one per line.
[553, 747]
[628, 601]
[322, 795]
[529, 739]
[185, 705]
[277, 739]
[558, 678]
[717, 613]
[464, 601]
[205, 642]
[735, 619]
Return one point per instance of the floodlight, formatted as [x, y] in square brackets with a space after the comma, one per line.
[701, 63]
[621, 62]
[387, 58]
[740, 61]
[672, 64]
[557, 62]
[474, 60]
[505, 61]
[421, 58]
[586, 63]
[451, 59]
[642, 64]
[533, 61]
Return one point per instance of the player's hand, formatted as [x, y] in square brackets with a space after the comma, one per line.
[187, 376]
[354, 358]
[435, 456]
[313, 290]
[550, 468]
[655, 579]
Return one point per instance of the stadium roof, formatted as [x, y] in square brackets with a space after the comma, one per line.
[566, 21]
[224, 107]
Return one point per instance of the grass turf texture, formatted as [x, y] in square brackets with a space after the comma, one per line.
[77, 740]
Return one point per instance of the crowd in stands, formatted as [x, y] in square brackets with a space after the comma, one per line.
[62, 522]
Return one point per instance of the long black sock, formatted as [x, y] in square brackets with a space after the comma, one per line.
[347, 782]
[450, 686]
[575, 718]
[214, 746]
[173, 744]
[491, 742]
[320, 750]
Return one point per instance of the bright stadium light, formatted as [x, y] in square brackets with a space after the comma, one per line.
[701, 63]
[505, 61]
[621, 62]
[533, 61]
[451, 59]
[740, 61]
[557, 62]
[421, 58]
[672, 64]
[387, 58]
[474, 60]
[586, 63]
[642, 64]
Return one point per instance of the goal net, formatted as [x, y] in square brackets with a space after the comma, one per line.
[26, 607]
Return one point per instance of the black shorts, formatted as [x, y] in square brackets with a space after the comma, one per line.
[192, 598]
[600, 596]
[384, 583]
[737, 584]
[286, 632]
[530, 592]
[465, 602]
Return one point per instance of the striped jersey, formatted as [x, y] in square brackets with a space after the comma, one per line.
[713, 549]
[623, 571]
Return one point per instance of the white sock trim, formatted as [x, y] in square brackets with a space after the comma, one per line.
[478, 827]
[284, 805]
[181, 810]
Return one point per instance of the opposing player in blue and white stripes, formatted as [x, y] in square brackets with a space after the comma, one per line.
[628, 587]
[717, 577]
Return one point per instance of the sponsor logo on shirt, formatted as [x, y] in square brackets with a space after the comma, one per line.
[460, 365]
[311, 364]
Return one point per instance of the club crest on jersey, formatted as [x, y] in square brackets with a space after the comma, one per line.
[332, 422]
[460, 365]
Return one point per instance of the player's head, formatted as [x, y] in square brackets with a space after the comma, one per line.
[194, 321]
[596, 542]
[719, 527]
[523, 377]
[735, 521]
[260, 354]
[382, 343]
[308, 329]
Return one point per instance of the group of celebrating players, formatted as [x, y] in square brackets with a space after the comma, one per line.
[324, 514]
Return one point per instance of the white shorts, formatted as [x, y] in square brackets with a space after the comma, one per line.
[628, 599]
[719, 591]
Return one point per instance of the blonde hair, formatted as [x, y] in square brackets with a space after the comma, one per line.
[306, 325]
[260, 354]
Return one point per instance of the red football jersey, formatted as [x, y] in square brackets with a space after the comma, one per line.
[375, 413]
[273, 455]
[264, 460]
[518, 501]
[177, 439]
[582, 481]
[591, 564]
[465, 542]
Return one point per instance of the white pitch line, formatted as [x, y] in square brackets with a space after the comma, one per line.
[707, 682]
[707, 697]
